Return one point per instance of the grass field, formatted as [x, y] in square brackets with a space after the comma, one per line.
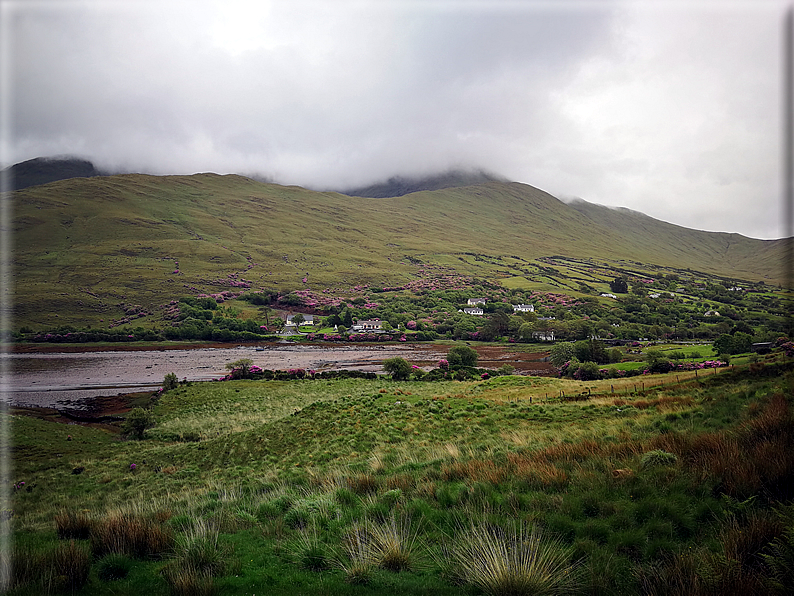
[637, 486]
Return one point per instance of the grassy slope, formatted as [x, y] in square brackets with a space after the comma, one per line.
[714, 252]
[119, 237]
[457, 451]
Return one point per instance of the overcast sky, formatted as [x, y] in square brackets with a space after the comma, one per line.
[672, 109]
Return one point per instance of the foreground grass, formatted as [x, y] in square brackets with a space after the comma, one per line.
[371, 487]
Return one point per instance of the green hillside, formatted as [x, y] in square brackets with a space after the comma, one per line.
[88, 249]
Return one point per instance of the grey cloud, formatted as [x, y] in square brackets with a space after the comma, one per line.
[615, 104]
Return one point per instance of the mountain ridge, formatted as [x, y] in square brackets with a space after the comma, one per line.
[95, 246]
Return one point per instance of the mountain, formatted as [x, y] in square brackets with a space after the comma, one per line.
[398, 186]
[87, 249]
[43, 170]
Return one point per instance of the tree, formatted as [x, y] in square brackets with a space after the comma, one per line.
[526, 330]
[561, 353]
[266, 311]
[298, 319]
[462, 356]
[619, 285]
[137, 422]
[742, 342]
[398, 368]
[723, 344]
[463, 329]
[240, 367]
[657, 362]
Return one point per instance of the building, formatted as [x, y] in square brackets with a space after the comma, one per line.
[307, 320]
[473, 311]
[475, 301]
[543, 335]
[523, 308]
[368, 325]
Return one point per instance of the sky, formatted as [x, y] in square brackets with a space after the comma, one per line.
[672, 108]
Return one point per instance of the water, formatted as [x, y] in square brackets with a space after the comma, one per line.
[65, 379]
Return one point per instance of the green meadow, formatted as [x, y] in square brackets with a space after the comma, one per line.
[510, 485]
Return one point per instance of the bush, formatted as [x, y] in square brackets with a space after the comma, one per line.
[462, 356]
[240, 369]
[137, 422]
[170, 382]
[587, 371]
[398, 368]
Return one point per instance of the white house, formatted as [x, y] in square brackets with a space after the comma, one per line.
[711, 313]
[475, 301]
[307, 320]
[523, 308]
[473, 311]
[368, 325]
[543, 335]
[606, 295]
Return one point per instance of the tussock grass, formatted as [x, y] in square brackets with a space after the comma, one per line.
[113, 566]
[356, 560]
[515, 561]
[393, 544]
[130, 533]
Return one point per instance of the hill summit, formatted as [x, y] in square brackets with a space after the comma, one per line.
[43, 170]
[398, 186]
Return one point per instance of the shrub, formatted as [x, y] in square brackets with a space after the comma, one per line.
[137, 423]
[170, 382]
[462, 356]
[398, 368]
[240, 369]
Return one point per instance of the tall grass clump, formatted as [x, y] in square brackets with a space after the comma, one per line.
[198, 558]
[356, 561]
[393, 544]
[512, 562]
[73, 524]
[113, 567]
[309, 551]
[132, 534]
[71, 564]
